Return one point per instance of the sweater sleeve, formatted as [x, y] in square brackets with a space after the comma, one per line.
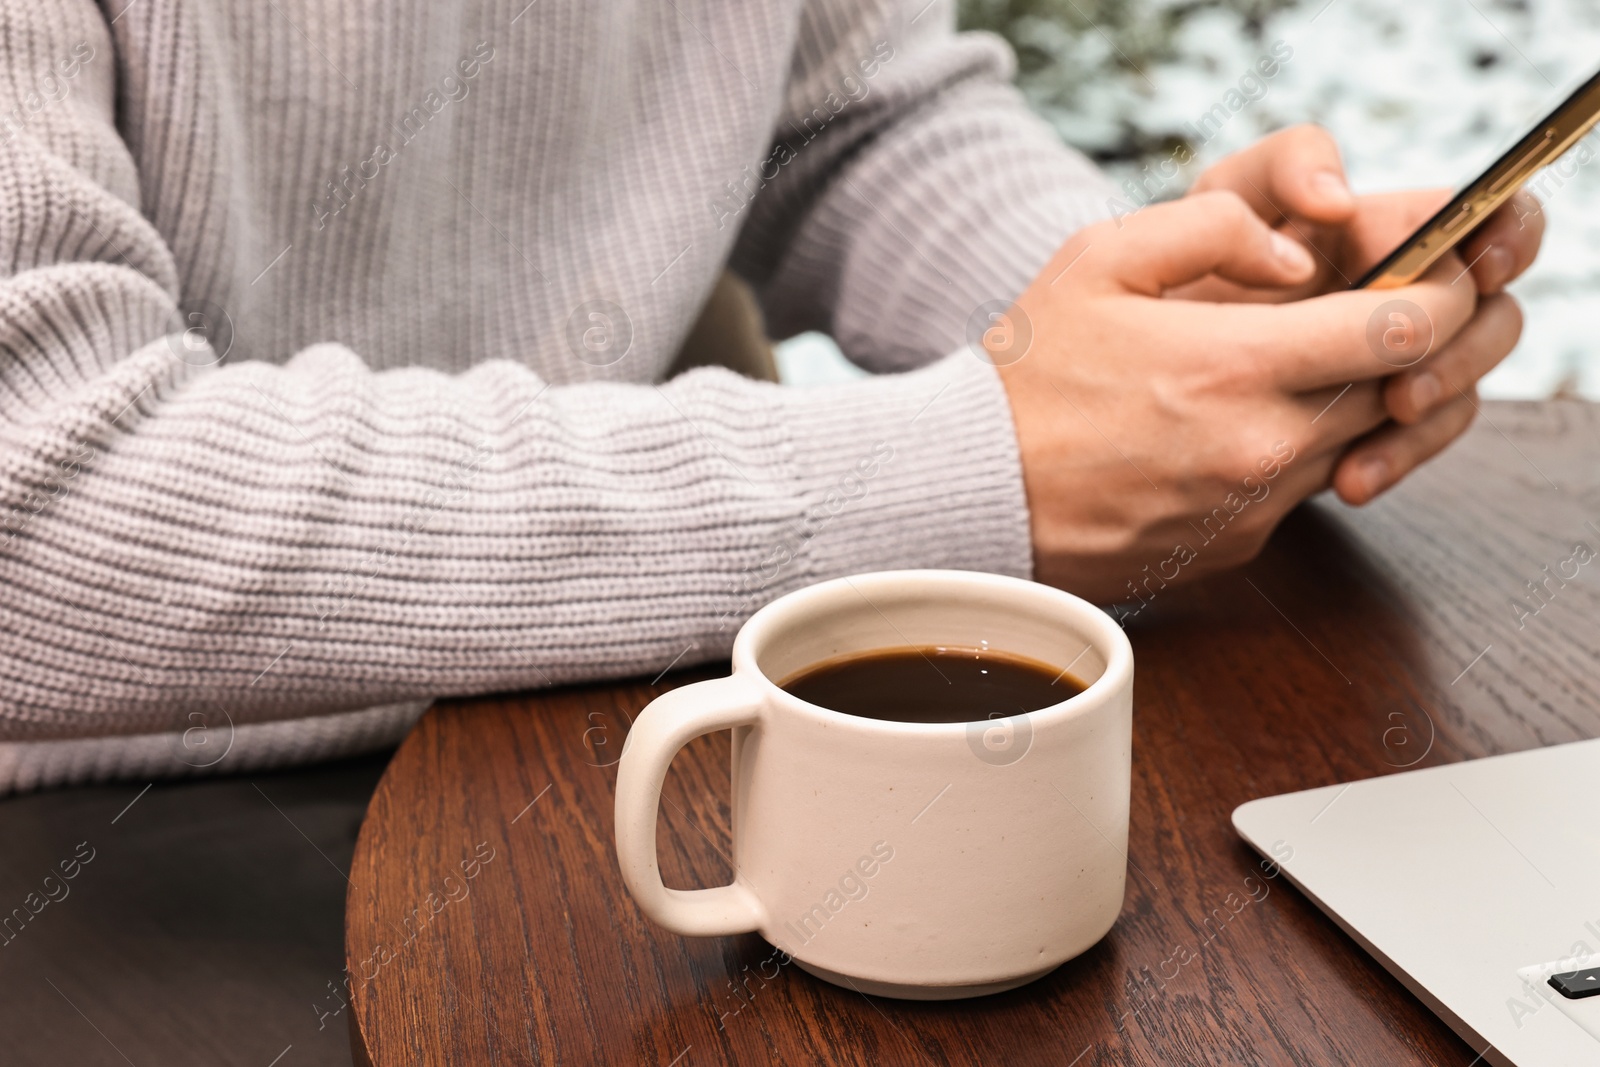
[272, 540]
[908, 184]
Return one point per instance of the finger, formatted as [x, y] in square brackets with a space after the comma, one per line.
[1324, 244]
[1343, 251]
[1505, 245]
[1480, 346]
[1176, 242]
[1309, 474]
[1391, 453]
[1295, 173]
[1349, 336]
[1381, 223]
[1337, 415]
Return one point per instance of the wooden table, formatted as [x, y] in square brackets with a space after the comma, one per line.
[1360, 642]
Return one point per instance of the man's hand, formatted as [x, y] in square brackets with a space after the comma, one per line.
[1295, 182]
[1165, 438]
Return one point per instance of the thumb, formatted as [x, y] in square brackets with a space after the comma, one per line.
[1181, 241]
[1293, 172]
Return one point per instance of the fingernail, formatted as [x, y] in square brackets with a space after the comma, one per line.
[1375, 475]
[1496, 267]
[1291, 253]
[1425, 389]
[1331, 187]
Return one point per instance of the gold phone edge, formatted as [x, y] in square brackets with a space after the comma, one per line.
[1413, 266]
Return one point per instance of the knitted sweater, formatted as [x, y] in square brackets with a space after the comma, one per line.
[333, 336]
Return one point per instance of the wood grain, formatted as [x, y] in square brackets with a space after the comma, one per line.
[1359, 643]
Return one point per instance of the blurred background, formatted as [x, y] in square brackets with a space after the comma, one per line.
[1417, 92]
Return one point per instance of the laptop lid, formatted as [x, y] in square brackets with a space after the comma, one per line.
[1473, 883]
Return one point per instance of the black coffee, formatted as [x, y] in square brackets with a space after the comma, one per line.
[933, 684]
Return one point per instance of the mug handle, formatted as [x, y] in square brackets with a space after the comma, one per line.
[671, 721]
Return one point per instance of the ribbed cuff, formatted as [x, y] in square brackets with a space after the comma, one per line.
[910, 470]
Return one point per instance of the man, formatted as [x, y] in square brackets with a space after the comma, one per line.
[333, 338]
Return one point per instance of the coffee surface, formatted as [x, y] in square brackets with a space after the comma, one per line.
[933, 684]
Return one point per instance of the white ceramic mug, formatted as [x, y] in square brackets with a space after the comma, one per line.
[918, 860]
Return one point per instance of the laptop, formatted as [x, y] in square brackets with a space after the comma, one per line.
[1476, 884]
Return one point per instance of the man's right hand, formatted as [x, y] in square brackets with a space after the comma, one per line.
[1167, 438]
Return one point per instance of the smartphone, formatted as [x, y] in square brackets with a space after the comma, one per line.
[1541, 146]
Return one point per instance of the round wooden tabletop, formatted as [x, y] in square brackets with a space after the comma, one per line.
[487, 922]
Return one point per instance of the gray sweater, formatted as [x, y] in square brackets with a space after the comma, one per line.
[332, 338]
